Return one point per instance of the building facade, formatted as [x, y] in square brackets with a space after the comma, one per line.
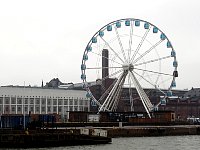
[194, 92]
[32, 100]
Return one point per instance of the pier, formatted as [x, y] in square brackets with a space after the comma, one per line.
[142, 131]
[52, 138]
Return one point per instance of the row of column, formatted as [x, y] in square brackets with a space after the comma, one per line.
[63, 106]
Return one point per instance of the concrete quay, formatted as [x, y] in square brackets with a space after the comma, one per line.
[142, 131]
[51, 138]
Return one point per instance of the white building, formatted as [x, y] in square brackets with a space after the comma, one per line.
[17, 100]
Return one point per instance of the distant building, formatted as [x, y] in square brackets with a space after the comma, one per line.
[37, 100]
[194, 92]
[54, 83]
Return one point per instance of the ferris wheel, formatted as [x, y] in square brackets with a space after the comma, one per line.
[129, 53]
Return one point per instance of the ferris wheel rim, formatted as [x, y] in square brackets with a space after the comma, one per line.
[112, 23]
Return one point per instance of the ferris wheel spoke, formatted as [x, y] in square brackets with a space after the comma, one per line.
[148, 51]
[112, 49]
[111, 75]
[153, 60]
[115, 99]
[106, 92]
[140, 44]
[154, 85]
[107, 58]
[164, 81]
[148, 76]
[120, 43]
[110, 98]
[161, 73]
[143, 96]
[130, 41]
[103, 67]
[113, 102]
[130, 92]
[145, 79]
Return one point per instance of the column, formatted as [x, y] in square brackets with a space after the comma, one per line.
[3, 104]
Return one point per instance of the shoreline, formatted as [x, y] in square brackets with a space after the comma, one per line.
[90, 135]
[50, 138]
[145, 131]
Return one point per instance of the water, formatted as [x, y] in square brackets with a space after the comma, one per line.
[142, 143]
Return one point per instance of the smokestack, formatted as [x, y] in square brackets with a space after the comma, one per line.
[105, 63]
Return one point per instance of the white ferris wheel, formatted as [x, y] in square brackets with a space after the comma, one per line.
[133, 54]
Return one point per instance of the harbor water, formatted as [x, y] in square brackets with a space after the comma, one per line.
[142, 143]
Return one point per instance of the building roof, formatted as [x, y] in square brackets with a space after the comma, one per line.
[33, 91]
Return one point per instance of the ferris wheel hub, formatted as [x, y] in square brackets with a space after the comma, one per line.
[128, 67]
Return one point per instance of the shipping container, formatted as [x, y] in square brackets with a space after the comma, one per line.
[14, 121]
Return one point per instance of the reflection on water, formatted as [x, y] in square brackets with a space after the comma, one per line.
[142, 143]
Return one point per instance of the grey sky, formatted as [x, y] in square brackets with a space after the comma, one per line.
[43, 39]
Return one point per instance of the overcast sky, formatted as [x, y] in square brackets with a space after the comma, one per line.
[44, 39]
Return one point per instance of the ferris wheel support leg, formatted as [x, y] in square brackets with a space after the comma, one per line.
[108, 99]
[145, 100]
[115, 97]
[111, 99]
[107, 91]
[130, 93]
[114, 105]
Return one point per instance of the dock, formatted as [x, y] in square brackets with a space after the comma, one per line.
[142, 131]
[52, 138]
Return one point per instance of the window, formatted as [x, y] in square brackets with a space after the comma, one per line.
[31, 101]
[71, 102]
[81, 108]
[49, 109]
[19, 108]
[43, 109]
[48, 101]
[55, 102]
[71, 108]
[80, 102]
[26, 109]
[31, 108]
[75, 108]
[65, 108]
[43, 101]
[13, 100]
[13, 108]
[6, 108]
[75, 102]
[54, 109]
[60, 102]
[85, 108]
[173, 116]
[7, 100]
[37, 101]
[65, 102]
[26, 100]
[86, 102]
[37, 109]
[19, 100]
[60, 109]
